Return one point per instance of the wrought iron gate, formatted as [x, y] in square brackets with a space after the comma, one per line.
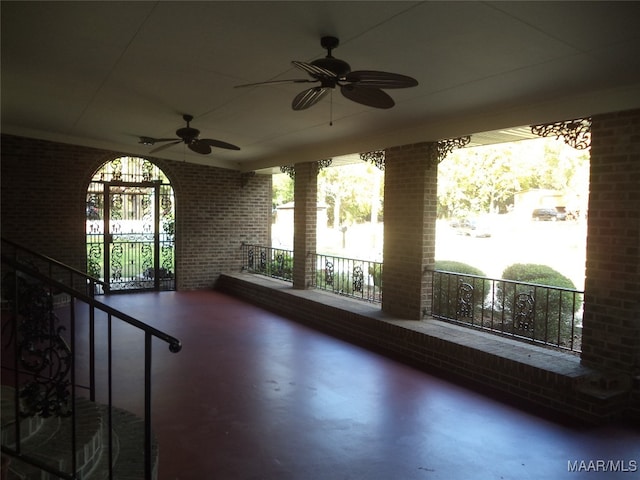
[130, 226]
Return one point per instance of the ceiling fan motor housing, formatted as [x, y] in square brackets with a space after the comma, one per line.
[339, 67]
[188, 134]
[335, 65]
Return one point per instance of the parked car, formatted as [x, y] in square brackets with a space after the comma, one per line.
[561, 213]
[547, 214]
[473, 228]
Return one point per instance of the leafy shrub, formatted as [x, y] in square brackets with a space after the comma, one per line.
[458, 297]
[536, 311]
[281, 266]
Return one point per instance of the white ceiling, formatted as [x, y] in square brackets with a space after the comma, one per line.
[102, 74]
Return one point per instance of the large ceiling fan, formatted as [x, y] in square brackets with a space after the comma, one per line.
[190, 137]
[361, 86]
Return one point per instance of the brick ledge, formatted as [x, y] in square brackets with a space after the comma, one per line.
[553, 379]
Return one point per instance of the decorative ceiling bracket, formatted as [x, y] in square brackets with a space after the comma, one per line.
[324, 163]
[376, 157]
[289, 170]
[445, 147]
[442, 148]
[575, 133]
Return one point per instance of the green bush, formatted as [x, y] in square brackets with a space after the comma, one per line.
[281, 266]
[533, 310]
[459, 297]
[458, 267]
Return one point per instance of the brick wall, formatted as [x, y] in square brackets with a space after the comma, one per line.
[611, 334]
[410, 202]
[305, 223]
[43, 207]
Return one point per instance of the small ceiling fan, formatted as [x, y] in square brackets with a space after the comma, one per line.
[361, 86]
[189, 136]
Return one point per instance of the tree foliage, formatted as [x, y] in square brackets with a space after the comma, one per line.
[471, 181]
[282, 189]
[353, 192]
[484, 179]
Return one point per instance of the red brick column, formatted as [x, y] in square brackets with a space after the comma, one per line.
[304, 223]
[410, 200]
[611, 335]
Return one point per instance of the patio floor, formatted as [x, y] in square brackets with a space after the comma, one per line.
[253, 395]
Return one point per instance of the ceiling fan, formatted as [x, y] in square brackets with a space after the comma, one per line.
[189, 136]
[361, 86]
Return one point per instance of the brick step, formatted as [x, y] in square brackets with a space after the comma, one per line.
[49, 441]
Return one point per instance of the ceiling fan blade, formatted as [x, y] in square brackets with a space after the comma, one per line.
[166, 145]
[308, 98]
[372, 97]
[276, 82]
[218, 143]
[314, 70]
[374, 79]
[153, 141]
[200, 146]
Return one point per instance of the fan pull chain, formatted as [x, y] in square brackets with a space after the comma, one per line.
[331, 108]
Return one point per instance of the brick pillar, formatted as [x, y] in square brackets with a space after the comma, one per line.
[611, 334]
[410, 200]
[304, 223]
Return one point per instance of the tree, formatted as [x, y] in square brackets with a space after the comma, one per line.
[473, 181]
[282, 189]
[354, 192]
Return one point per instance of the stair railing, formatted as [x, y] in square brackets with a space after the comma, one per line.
[42, 348]
[72, 277]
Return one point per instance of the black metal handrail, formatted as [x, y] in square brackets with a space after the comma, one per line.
[542, 314]
[269, 261]
[355, 278]
[28, 292]
[351, 277]
[77, 279]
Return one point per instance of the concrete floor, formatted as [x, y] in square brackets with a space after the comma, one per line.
[253, 395]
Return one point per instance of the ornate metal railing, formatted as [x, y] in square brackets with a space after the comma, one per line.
[354, 278]
[44, 346]
[537, 313]
[71, 277]
[351, 277]
[272, 262]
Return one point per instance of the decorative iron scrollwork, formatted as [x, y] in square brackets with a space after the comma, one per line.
[263, 261]
[94, 260]
[279, 264]
[117, 253]
[128, 189]
[523, 312]
[445, 147]
[43, 352]
[328, 272]
[326, 163]
[289, 170]
[147, 170]
[358, 278]
[465, 300]
[376, 157]
[575, 133]
[250, 258]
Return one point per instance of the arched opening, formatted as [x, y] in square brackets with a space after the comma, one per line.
[130, 226]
